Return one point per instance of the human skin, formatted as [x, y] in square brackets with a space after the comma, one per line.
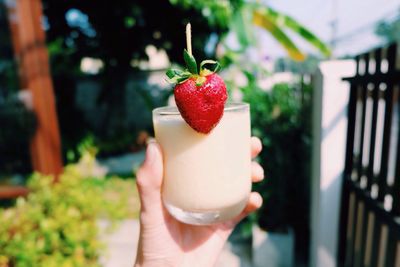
[165, 241]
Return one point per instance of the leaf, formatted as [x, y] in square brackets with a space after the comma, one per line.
[182, 79]
[241, 24]
[179, 78]
[282, 20]
[173, 72]
[216, 66]
[190, 61]
[262, 19]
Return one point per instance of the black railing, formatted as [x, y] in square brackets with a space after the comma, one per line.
[370, 209]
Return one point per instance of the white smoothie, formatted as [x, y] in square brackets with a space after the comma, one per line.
[206, 172]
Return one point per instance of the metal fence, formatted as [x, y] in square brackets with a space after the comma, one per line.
[370, 210]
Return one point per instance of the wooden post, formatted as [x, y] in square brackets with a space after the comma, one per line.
[30, 51]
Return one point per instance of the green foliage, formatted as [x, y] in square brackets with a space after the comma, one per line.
[309, 65]
[277, 24]
[8, 67]
[263, 20]
[17, 127]
[240, 16]
[218, 13]
[17, 124]
[120, 33]
[15, 119]
[283, 21]
[389, 30]
[281, 118]
[86, 146]
[57, 224]
[117, 34]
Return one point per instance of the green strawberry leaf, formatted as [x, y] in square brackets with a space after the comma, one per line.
[182, 79]
[215, 66]
[190, 61]
[177, 76]
[173, 72]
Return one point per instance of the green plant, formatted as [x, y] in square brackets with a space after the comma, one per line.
[18, 124]
[241, 16]
[389, 30]
[277, 120]
[56, 225]
[281, 118]
[8, 66]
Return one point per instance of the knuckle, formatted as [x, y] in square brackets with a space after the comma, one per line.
[141, 178]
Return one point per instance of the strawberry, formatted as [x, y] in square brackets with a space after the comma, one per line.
[201, 105]
[199, 95]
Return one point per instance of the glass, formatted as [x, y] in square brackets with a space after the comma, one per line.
[207, 177]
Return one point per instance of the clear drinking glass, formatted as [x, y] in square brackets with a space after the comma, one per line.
[207, 177]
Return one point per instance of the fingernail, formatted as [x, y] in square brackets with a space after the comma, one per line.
[150, 154]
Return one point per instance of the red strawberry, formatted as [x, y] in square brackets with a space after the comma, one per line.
[201, 106]
[199, 95]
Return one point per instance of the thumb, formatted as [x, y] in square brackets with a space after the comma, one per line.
[149, 179]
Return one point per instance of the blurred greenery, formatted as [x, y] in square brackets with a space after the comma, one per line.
[308, 66]
[389, 30]
[241, 15]
[109, 33]
[17, 127]
[57, 224]
[17, 124]
[8, 67]
[118, 35]
[281, 118]
[277, 22]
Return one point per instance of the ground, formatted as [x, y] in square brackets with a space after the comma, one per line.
[122, 245]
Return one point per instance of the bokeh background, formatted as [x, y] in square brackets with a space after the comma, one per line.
[107, 63]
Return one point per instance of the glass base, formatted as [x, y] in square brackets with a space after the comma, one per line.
[206, 217]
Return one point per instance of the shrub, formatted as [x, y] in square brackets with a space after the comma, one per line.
[56, 225]
[281, 118]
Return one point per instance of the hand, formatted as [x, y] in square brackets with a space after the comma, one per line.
[164, 241]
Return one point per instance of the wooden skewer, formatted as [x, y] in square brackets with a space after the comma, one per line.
[189, 38]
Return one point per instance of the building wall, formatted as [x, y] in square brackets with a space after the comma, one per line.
[329, 141]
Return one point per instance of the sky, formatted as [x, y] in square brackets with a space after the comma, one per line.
[352, 16]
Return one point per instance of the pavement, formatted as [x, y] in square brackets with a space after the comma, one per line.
[122, 244]
[124, 164]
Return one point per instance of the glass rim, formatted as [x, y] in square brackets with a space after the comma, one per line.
[173, 110]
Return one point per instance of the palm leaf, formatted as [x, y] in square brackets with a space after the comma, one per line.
[284, 21]
[242, 28]
[262, 19]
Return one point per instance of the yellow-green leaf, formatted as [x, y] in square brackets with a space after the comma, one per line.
[215, 66]
[262, 19]
[285, 21]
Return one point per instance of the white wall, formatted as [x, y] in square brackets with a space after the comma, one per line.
[329, 141]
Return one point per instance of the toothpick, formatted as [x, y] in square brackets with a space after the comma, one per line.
[189, 38]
